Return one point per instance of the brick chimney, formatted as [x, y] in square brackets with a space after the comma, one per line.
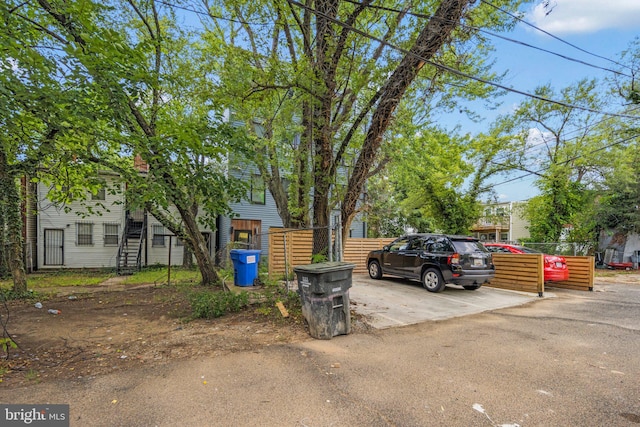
[140, 164]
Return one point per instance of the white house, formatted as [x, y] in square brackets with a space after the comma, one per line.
[501, 222]
[92, 233]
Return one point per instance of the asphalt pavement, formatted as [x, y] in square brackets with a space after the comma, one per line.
[572, 360]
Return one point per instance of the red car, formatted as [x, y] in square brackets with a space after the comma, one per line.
[555, 267]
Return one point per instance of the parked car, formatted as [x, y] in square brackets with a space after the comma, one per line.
[555, 266]
[435, 260]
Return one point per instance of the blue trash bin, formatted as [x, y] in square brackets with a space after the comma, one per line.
[245, 266]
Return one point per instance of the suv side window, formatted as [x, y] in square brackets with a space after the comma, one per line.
[399, 245]
[427, 244]
[441, 246]
[415, 245]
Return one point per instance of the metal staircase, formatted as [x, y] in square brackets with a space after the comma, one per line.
[129, 259]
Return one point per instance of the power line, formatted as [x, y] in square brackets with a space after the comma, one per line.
[554, 36]
[441, 66]
[452, 70]
[210, 15]
[568, 58]
[363, 33]
[542, 144]
[539, 171]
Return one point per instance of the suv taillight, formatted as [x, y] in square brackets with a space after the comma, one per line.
[453, 259]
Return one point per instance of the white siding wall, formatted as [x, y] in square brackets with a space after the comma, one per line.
[519, 225]
[95, 255]
[159, 254]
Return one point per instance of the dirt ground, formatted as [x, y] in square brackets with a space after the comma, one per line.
[115, 328]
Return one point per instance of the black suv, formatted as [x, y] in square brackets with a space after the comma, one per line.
[434, 259]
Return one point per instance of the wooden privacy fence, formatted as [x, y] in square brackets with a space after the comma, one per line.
[519, 272]
[357, 249]
[525, 272]
[581, 274]
[298, 244]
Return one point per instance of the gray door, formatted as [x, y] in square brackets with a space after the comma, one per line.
[53, 247]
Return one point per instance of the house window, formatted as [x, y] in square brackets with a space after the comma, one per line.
[243, 236]
[158, 236]
[111, 234]
[100, 195]
[179, 241]
[258, 190]
[84, 233]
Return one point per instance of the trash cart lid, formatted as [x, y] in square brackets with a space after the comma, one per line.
[324, 267]
[245, 251]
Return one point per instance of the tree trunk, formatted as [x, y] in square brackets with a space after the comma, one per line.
[321, 193]
[13, 221]
[431, 38]
[187, 257]
[187, 253]
[300, 218]
[199, 247]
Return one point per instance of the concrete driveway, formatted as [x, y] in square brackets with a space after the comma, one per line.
[397, 302]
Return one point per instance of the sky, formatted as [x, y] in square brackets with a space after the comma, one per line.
[603, 28]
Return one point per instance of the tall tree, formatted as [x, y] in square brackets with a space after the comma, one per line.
[31, 123]
[619, 206]
[566, 148]
[345, 87]
[444, 175]
[12, 223]
[146, 95]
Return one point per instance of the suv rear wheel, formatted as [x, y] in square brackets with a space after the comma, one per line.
[374, 270]
[432, 280]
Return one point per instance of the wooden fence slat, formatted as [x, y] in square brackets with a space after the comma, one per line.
[521, 272]
[581, 274]
[509, 268]
[300, 246]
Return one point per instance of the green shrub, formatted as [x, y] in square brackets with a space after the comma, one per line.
[318, 258]
[273, 292]
[211, 304]
[10, 294]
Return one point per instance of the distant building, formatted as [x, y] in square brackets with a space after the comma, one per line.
[502, 222]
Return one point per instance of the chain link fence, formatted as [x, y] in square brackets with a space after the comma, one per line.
[564, 248]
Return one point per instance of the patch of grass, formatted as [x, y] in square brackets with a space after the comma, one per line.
[160, 275]
[31, 375]
[209, 304]
[274, 292]
[612, 273]
[4, 370]
[61, 278]
[10, 294]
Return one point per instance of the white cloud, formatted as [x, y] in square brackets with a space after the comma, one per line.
[585, 16]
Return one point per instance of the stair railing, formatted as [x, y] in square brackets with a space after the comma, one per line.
[143, 236]
[122, 247]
